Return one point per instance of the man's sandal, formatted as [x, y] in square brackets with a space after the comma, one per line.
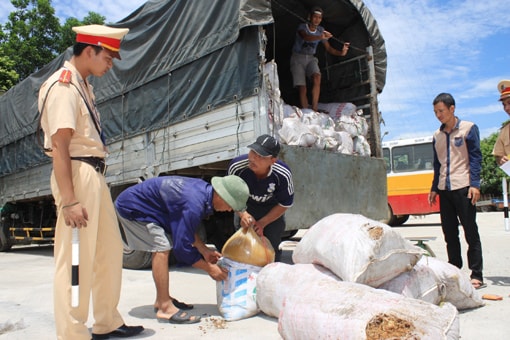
[178, 304]
[477, 284]
[181, 317]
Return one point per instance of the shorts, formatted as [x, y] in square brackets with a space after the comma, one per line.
[145, 236]
[303, 66]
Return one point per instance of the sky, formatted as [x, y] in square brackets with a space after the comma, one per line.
[457, 46]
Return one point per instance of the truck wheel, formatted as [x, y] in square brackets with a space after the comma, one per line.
[5, 245]
[390, 218]
[400, 219]
[136, 259]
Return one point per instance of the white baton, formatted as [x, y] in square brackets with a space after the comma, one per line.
[505, 203]
[75, 264]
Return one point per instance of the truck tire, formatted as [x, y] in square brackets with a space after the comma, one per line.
[5, 245]
[136, 259]
[390, 218]
[399, 220]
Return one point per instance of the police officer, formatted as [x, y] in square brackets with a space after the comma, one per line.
[74, 140]
[502, 146]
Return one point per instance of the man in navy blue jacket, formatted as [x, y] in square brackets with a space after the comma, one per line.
[271, 189]
[163, 214]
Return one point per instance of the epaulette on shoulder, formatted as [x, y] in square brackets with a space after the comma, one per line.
[65, 76]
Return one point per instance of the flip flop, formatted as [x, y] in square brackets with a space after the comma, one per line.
[178, 304]
[181, 305]
[477, 284]
[181, 317]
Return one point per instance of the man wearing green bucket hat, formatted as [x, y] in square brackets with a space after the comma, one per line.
[163, 214]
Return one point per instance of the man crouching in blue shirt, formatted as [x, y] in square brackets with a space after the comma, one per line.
[164, 213]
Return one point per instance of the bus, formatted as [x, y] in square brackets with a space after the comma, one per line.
[409, 174]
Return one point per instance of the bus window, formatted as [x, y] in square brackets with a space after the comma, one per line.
[386, 156]
[412, 157]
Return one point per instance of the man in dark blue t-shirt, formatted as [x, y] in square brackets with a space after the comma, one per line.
[271, 189]
[303, 63]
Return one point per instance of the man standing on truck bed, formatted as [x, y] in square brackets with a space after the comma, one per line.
[73, 139]
[457, 167]
[303, 63]
[271, 189]
[502, 146]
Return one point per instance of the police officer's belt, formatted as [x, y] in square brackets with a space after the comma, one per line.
[97, 163]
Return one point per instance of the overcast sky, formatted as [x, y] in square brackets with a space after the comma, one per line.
[456, 46]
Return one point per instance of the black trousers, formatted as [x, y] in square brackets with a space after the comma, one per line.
[456, 207]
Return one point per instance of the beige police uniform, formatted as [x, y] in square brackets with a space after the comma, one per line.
[100, 267]
[502, 145]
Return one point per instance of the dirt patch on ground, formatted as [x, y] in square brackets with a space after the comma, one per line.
[212, 323]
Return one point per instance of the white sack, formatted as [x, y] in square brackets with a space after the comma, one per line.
[326, 309]
[357, 249]
[236, 296]
[277, 280]
[347, 144]
[361, 123]
[459, 290]
[337, 109]
[291, 111]
[361, 146]
[347, 124]
[419, 283]
[294, 132]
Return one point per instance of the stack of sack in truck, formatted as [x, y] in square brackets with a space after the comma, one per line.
[338, 127]
[356, 278]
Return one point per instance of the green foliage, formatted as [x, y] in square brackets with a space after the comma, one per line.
[8, 76]
[491, 173]
[32, 32]
[32, 37]
[67, 34]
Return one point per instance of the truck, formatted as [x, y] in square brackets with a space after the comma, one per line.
[191, 92]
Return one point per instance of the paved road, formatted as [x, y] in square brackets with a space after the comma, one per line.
[26, 292]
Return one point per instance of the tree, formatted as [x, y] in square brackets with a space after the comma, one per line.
[33, 37]
[31, 33]
[491, 174]
[8, 76]
[68, 36]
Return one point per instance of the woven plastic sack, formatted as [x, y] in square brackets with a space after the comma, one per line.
[338, 109]
[326, 309]
[237, 295]
[357, 249]
[458, 288]
[277, 280]
[419, 283]
[294, 132]
[245, 246]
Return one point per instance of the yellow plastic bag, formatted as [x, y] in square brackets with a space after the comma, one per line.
[245, 246]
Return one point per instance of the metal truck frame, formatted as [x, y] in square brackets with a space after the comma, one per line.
[200, 139]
